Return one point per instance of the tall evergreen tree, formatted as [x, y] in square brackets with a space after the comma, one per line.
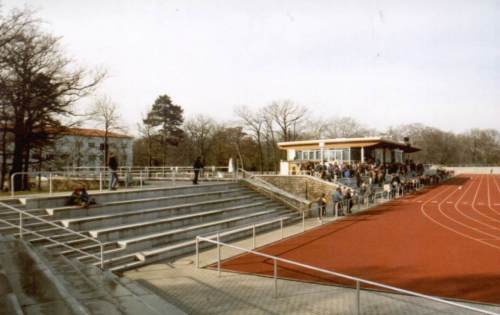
[169, 118]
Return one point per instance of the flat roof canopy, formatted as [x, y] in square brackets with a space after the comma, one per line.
[367, 142]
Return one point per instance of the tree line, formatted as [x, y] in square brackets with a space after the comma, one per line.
[253, 139]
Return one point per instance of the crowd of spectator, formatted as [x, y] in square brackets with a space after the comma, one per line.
[362, 181]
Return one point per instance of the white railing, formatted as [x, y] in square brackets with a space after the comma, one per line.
[252, 227]
[132, 176]
[357, 280]
[22, 229]
[38, 174]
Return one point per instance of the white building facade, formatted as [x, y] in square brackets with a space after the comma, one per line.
[78, 147]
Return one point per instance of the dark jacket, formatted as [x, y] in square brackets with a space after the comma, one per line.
[113, 163]
[197, 165]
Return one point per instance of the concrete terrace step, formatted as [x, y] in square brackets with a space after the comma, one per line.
[142, 203]
[55, 233]
[36, 227]
[188, 246]
[128, 194]
[153, 226]
[27, 221]
[84, 245]
[150, 241]
[132, 246]
[137, 243]
[130, 217]
[8, 214]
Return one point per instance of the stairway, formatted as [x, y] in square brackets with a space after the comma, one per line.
[138, 227]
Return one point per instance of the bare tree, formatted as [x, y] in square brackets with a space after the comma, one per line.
[254, 123]
[105, 113]
[288, 116]
[200, 130]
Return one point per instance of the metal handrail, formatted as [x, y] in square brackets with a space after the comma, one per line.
[21, 229]
[86, 254]
[12, 177]
[337, 274]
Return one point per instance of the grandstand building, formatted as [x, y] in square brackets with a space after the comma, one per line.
[344, 150]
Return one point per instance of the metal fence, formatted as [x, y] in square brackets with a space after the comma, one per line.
[129, 177]
[24, 231]
[358, 281]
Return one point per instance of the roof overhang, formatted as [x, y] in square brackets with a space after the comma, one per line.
[367, 142]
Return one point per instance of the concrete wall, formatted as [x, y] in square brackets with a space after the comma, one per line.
[301, 186]
[475, 170]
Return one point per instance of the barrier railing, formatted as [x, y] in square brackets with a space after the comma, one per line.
[252, 227]
[358, 281]
[22, 230]
[130, 177]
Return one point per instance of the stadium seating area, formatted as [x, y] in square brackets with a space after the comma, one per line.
[138, 227]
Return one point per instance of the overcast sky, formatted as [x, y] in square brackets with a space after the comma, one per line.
[381, 62]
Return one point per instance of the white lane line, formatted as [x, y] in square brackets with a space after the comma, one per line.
[422, 209]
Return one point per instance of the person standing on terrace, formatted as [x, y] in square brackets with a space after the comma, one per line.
[113, 166]
[197, 167]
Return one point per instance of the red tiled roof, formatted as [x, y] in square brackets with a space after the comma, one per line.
[84, 132]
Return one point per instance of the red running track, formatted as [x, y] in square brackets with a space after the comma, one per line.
[443, 241]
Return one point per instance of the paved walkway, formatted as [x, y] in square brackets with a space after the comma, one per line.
[202, 291]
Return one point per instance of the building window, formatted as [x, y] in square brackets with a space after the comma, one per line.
[91, 145]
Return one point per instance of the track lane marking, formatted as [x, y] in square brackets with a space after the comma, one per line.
[467, 216]
[476, 210]
[489, 197]
[422, 210]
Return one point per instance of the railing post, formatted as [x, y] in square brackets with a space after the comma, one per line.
[12, 190]
[102, 256]
[275, 278]
[140, 179]
[50, 183]
[358, 306]
[197, 247]
[20, 225]
[218, 254]
[303, 221]
[281, 226]
[100, 181]
[253, 237]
